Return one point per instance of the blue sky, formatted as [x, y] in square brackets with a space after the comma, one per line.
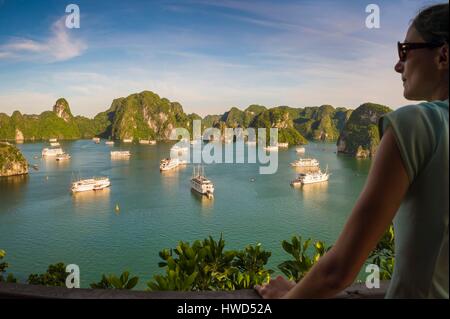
[207, 55]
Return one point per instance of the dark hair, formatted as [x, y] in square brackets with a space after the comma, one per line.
[432, 23]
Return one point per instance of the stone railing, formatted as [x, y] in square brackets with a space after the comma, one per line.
[21, 291]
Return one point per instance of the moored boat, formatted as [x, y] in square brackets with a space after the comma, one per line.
[201, 184]
[170, 163]
[63, 157]
[300, 150]
[306, 162]
[91, 184]
[96, 140]
[120, 154]
[311, 178]
[52, 152]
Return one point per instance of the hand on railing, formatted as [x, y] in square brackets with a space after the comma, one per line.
[275, 289]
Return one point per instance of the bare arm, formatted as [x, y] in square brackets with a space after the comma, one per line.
[375, 209]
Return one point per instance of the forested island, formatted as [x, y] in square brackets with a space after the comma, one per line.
[146, 115]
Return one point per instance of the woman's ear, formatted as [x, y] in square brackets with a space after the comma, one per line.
[443, 57]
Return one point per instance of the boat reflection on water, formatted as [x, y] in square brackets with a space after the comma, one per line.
[206, 203]
[314, 191]
[170, 181]
[92, 197]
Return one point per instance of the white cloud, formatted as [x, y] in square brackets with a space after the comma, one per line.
[60, 46]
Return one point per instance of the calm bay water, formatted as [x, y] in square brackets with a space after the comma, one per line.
[41, 222]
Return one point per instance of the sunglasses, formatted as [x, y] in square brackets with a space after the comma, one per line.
[404, 48]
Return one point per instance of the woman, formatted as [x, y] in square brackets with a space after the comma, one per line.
[409, 180]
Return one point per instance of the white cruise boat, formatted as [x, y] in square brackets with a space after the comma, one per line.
[201, 184]
[52, 152]
[120, 154]
[311, 178]
[170, 163]
[63, 157]
[306, 162]
[300, 150]
[271, 148]
[91, 184]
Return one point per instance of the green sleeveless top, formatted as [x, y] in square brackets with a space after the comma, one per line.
[421, 224]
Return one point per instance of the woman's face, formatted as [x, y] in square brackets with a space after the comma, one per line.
[420, 73]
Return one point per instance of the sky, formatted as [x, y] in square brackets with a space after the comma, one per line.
[209, 55]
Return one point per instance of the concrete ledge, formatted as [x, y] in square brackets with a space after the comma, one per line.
[24, 291]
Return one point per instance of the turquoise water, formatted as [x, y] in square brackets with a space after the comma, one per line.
[41, 222]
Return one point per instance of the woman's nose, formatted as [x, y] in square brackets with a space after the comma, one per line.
[399, 67]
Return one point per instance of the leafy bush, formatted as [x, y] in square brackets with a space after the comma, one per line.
[114, 282]
[384, 254]
[303, 260]
[3, 267]
[55, 276]
[205, 265]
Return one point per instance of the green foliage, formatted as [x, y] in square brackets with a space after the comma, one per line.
[9, 154]
[321, 123]
[55, 276]
[146, 115]
[360, 133]
[205, 265]
[384, 254]
[7, 129]
[114, 282]
[304, 258]
[250, 264]
[279, 118]
[3, 266]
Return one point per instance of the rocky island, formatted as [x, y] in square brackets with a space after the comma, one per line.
[146, 115]
[360, 136]
[12, 162]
